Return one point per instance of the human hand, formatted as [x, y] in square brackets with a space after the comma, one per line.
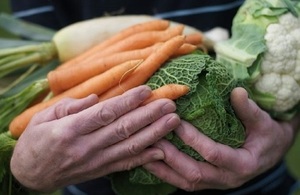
[78, 140]
[266, 142]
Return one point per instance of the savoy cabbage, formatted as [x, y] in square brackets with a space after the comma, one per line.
[207, 106]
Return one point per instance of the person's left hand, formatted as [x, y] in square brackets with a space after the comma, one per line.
[266, 142]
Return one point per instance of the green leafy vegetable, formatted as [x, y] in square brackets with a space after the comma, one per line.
[207, 106]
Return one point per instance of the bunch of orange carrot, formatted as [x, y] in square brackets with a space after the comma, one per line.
[126, 60]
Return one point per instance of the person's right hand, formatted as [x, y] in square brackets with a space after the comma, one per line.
[267, 141]
[78, 140]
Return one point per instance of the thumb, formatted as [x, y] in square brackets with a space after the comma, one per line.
[246, 109]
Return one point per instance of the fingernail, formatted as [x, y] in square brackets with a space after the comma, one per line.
[167, 108]
[173, 122]
[144, 94]
[159, 155]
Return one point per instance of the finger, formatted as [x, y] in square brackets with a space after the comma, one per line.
[148, 155]
[182, 170]
[256, 121]
[247, 111]
[166, 174]
[175, 160]
[215, 153]
[207, 178]
[142, 139]
[65, 107]
[107, 111]
[130, 123]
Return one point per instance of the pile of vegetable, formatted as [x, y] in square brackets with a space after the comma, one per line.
[107, 69]
[262, 55]
[139, 54]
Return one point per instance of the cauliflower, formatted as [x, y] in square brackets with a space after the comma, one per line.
[264, 51]
[281, 63]
[284, 87]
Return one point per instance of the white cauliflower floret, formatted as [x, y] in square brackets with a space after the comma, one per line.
[284, 87]
[280, 67]
[281, 43]
[289, 21]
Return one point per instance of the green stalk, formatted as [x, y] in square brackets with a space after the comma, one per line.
[23, 49]
[19, 79]
[20, 57]
[9, 58]
[20, 63]
[11, 106]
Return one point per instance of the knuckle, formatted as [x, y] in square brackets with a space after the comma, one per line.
[156, 110]
[150, 116]
[133, 149]
[74, 155]
[129, 103]
[194, 178]
[156, 133]
[106, 115]
[123, 129]
[190, 138]
[212, 155]
[170, 159]
[61, 109]
[130, 165]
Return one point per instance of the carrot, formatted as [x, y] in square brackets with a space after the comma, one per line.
[194, 38]
[152, 25]
[170, 91]
[96, 85]
[63, 79]
[147, 68]
[186, 48]
[141, 40]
